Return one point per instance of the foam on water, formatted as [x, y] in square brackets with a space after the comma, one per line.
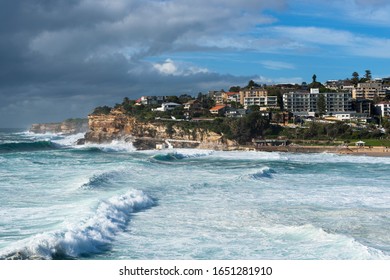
[114, 146]
[264, 172]
[91, 236]
[319, 244]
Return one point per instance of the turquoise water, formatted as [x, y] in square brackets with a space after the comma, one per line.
[61, 201]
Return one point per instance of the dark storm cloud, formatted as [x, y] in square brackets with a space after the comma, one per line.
[61, 58]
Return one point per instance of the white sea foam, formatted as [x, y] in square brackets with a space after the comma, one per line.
[93, 235]
[192, 153]
[67, 140]
[335, 158]
[319, 244]
[114, 146]
[264, 172]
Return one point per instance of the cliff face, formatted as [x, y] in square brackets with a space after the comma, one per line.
[145, 135]
[72, 126]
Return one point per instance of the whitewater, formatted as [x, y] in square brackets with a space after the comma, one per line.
[63, 201]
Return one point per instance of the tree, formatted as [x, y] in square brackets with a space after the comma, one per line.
[355, 78]
[368, 75]
[102, 110]
[252, 84]
[321, 105]
[314, 78]
[254, 108]
[234, 89]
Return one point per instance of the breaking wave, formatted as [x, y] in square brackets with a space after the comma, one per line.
[114, 146]
[264, 172]
[100, 180]
[316, 243]
[27, 146]
[181, 154]
[92, 236]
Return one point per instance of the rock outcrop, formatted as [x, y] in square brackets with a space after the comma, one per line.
[70, 126]
[146, 135]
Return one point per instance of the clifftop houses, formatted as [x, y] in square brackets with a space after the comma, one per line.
[337, 99]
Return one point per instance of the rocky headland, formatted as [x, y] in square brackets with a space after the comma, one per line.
[70, 126]
[117, 125]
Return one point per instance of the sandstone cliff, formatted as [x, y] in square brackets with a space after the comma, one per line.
[145, 135]
[71, 126]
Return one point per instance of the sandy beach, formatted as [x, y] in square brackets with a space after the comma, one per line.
[378, 151]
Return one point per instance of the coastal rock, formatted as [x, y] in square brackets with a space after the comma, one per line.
[117, 125]
[70, 126]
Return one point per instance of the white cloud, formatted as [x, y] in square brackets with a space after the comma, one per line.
[282, 80]
[277, 65]
[152, 27]
[169, 67]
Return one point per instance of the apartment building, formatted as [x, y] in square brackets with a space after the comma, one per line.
[252, 93]
[259, 97]
[307, 101]
[263, 101]
[383, 109]
[369, 90]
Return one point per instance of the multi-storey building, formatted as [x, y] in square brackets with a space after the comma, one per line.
[257, 96]
[262, 101]
[307, 101]
[252, 92]
[369, 90]
[383, 109]
[233, 97]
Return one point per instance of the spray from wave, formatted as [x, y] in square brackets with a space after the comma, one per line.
[92, 236]
[114, 146]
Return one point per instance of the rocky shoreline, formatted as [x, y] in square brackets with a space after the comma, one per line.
[67, 127]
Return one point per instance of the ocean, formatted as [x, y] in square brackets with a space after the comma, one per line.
[62, 201]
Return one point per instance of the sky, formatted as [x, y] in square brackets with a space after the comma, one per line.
[60, 59]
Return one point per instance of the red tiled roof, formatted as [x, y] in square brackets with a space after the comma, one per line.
[218, 107]
[232, 93]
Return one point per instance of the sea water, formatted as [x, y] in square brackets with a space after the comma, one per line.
[63, 201]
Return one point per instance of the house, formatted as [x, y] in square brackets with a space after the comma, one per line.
[167, 107]
[218, 96]
[192, 105]
[150, 100]
[218, 110]
[348, 116]
[235, 113]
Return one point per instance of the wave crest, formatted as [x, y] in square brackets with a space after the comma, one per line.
[264, 172]
[91, 236]
[27, 146]
[100, 180]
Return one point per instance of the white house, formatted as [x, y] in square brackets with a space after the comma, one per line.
[347, 116]
[167, 107]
